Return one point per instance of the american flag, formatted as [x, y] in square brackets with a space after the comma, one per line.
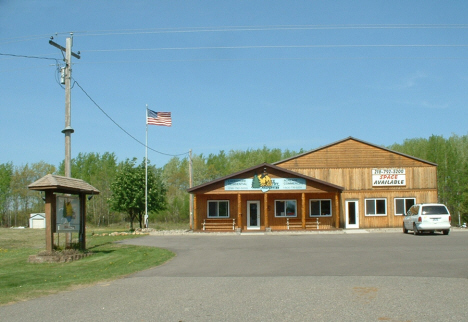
[158, 118]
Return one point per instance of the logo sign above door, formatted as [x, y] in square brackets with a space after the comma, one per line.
[276, 184]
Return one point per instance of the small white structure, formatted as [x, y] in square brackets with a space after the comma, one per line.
[37, 220]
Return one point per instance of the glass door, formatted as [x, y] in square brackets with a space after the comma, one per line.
[253, 214]
[352, 214]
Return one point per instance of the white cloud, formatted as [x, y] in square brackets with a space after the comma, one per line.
[411, 80]
[425, 104]
[433, 105]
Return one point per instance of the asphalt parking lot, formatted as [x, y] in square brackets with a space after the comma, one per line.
[386, 276]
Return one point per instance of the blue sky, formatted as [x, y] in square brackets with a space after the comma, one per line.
[235, 74]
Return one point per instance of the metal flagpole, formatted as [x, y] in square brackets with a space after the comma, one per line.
[146, 171]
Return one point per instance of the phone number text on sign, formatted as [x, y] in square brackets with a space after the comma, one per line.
[388, 171]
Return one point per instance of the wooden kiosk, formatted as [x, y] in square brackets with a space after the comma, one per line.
[65, 206]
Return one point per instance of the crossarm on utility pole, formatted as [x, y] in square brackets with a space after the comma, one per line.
[63, 49]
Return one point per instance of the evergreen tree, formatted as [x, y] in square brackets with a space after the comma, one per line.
[256, 182]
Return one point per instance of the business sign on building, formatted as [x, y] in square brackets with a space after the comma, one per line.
[273, 184]
[388, 177]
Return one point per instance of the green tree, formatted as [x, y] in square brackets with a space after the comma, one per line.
[23, 201]
[99, 171]
[451, 157]
[6, 171]
[128, 191]
[176, 179]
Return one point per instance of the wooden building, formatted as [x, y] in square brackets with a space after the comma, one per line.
[347, 184]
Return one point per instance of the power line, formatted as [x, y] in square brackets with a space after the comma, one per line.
[271, 58]
[120, 127]
[237, 29]
[267, 28]
[255, 59]
[22, 39]
[272, 47]
[25, 56]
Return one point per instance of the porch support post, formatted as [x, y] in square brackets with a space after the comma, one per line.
[303, 212]
[265, 210]
[239, 211]
[337, 210]
[195, 213]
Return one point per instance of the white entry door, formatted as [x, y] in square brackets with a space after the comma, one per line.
[352, 213]
[253, 214]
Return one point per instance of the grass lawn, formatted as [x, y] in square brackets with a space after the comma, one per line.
[20, 280]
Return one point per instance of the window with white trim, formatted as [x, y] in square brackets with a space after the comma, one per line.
[376, 207]
[218, 208]
[320, 208]
[402, 205]
[285, 208]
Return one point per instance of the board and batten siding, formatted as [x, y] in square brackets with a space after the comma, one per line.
[421, 184]
[352, 153]
[390, 220]
[349, 164]
[361, 178]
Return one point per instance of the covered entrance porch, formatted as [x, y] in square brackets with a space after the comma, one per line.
[266, 198]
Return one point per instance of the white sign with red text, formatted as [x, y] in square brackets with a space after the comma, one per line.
[388, 177]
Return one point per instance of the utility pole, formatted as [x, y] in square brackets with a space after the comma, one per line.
[67, 77]
[68, 130]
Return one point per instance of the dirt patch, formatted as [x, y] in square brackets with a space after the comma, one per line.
[65, 256]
